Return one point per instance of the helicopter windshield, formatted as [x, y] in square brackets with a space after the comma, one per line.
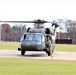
[33, 37]
[22, 38]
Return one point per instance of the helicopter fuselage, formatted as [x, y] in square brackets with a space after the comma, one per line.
[35, 40]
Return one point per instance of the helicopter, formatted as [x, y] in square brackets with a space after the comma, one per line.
[35, 39]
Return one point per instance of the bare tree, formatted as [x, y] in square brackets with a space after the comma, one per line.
[6, 31]
[71, 31]
[18, 31]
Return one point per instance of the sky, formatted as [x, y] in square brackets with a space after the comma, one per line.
[37, 9]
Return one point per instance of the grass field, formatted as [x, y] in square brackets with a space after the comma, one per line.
[65, 47]
[9, 45]
[36, 67]
[58, 47]
[18, 66]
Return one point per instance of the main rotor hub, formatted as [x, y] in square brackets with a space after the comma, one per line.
[39, 21]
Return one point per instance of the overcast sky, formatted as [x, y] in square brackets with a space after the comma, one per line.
[35, 9]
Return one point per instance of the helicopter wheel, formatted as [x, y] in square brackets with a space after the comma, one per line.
[22, 52]
[49, 53]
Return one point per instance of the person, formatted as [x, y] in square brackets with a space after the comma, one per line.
[49, 46]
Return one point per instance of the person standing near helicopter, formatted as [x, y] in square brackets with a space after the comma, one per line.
[49, 46]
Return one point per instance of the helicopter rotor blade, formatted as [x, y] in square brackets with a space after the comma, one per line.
[37, 22]
[60, 22]
[18, 21]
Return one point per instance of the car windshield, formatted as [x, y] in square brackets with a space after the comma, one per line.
[33, 37]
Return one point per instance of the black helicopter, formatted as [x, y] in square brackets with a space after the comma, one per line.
[36, 38]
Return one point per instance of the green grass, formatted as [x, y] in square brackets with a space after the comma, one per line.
[9, 45]
[58, 47]
[65, 48]
[36, 67]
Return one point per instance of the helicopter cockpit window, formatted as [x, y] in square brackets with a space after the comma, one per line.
[37, 38]
[22, 38]
[33, 37]
[29, 37]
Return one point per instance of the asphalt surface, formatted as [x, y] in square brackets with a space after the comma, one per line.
[38, 55]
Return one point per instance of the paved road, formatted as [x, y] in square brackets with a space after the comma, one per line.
[38, 55]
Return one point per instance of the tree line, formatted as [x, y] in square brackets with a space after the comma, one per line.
[14, 33]
[71, 30]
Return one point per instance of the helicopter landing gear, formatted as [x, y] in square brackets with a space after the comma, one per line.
[49, 53]
[22, 52]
